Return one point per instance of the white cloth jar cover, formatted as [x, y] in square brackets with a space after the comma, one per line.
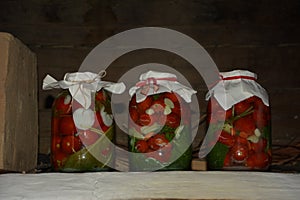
[238, 85]
[81, 85]
[153, 82]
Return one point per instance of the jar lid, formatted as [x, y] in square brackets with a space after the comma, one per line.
[153, 82]
[236, 86]
[82, 84]
[238, 74]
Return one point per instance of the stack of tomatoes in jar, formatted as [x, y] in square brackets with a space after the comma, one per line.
[159, 126]
[154, 123]
[75, 139]
[245, 139]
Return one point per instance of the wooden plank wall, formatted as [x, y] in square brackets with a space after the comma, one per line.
[259, 35]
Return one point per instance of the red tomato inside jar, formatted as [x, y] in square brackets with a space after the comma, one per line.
[244, 116]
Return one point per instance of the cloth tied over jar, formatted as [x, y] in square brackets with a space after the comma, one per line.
[153, 82]
[242, 84]
[81, 85]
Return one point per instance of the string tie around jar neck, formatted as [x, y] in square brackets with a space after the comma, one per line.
[233, 75]
[237, 77]
[84, 77]
[151, 81]
[78, 78]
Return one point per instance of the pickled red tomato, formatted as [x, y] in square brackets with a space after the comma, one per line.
[241, 107]
[55, 143]
[70, 144]
[173, 97]
[258, 160]
[260, 146]
[245, 124]
[162, 154]
[137, 111]
[134, 115]
[177, 102]
[58, 159]
[88, 137]
[99, 123]
[158, 141]
[260, 118]
[63, 104]
[261, 112]
[145, 120]
[226, 139]
[177, 111]
[238, 148]
[67, 125]
[228, 114]
[101, 96]
[227, 160]
[173, 120]
[157, 147]
[141, 146]
[261, 115]
[241, 140]
[239, 152]
[144, 105]
[55, 125]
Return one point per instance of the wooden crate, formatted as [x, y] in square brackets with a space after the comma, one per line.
[18, 105]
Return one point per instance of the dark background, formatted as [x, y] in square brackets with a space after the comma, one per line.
[259, 35]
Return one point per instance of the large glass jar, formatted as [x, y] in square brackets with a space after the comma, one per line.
[159, 125]
[245, 139]
[80, 139]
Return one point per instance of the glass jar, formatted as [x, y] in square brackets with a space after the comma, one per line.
[80, 138]
[245, 139]
[160, 135]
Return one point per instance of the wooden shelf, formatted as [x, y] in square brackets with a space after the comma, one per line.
[151, 185]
